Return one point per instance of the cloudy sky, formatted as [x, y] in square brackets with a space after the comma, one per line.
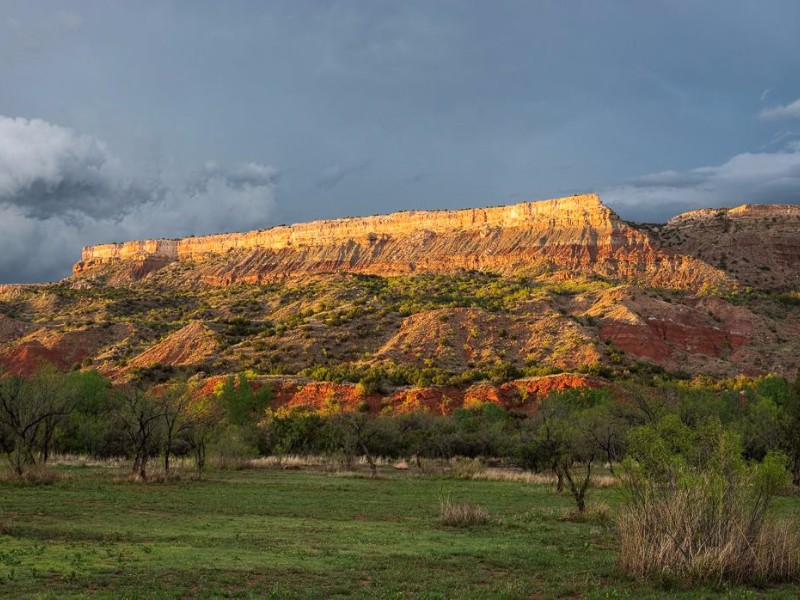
[122, 120]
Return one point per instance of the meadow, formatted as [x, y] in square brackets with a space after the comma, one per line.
[308, 533]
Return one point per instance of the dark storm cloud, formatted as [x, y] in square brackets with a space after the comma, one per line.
[60, 190]
[334, 175]
[47, 170]
[241, 177]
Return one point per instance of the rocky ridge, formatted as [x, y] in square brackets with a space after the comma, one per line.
[571, 234]
[757, 244]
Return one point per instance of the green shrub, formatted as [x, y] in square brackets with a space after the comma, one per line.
[696, 512]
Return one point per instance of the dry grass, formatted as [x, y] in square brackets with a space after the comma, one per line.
[34, 476]
[597, 481]
[79, 460]
[462, 514]
[599, 513]
[685, 538]
[465, 468]
[288, 461]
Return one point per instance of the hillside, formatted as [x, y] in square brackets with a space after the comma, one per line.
[427, 298]
[758, 244]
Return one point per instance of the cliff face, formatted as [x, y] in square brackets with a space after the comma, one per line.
[575, 233]
[758, 244]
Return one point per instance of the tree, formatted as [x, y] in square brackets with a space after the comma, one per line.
[173, 403]
[54, 392]
[640, 405]
[30, 412]
[241, 404]
[19, 423]
[140, 416]
[87, 429]
[542, 444]
[570, 429]
[791, 429]
[203, 420]
[354, 433]
[695, 510]
[606, 432]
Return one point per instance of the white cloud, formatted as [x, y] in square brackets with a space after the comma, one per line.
[217, 199]
[48, 170]
[770, 177]
[778, 113]
[61, 190]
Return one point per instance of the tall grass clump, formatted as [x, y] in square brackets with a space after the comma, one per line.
[461, 514]
[38, 475]
[695, 512]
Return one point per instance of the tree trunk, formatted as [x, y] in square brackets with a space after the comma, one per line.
[143, 468]
[200, 456]
[48, 433]
[373, 468]
[559, 479]
[579, 493]
[18, 458]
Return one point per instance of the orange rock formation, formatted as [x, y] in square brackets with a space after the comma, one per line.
[575, 233]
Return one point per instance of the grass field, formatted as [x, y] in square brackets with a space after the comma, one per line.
[306, 534]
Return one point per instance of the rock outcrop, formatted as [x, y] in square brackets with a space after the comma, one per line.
[577, 233]
[521, 395]
[758, 244]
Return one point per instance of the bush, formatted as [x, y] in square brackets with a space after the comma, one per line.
[462, 514]
[465, 468]
[696, 512]
[233, 450]
[688, 537]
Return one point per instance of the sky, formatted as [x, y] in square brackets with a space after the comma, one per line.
[127, 120]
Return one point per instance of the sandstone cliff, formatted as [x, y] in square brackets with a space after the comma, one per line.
[577, 233]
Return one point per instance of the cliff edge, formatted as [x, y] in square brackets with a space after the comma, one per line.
[577, 233]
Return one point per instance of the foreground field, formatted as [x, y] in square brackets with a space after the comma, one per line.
[304, 534]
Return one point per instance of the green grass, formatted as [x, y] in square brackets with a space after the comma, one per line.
[303, 534]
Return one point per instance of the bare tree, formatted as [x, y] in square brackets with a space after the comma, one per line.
[173, 403]
[140, 416]
[54, 392]
[30, 412]
[354, 433]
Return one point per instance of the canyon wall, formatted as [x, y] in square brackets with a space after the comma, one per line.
[577, 233]
[564, 213]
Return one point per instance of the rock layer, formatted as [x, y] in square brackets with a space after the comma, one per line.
[575, 233]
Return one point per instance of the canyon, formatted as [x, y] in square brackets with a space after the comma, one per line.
[441, 308]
